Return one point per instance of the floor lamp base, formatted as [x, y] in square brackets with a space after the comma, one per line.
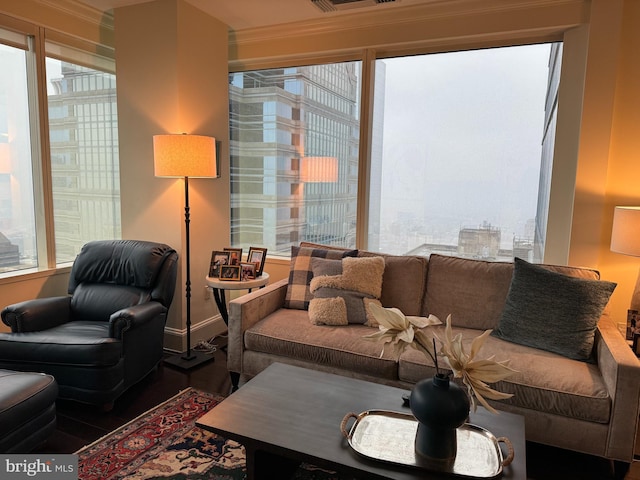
[187, 362]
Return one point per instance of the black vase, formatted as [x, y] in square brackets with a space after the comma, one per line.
[440, 406]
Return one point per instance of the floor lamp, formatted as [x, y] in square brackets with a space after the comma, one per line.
[185, 156]
[625, 238]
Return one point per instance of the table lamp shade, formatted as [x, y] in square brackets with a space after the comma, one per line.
[318, 169]
[625, 234]
[180, 155]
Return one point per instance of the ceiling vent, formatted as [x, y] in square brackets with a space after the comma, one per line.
[334, 5]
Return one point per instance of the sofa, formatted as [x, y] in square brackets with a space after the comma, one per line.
[578, 387]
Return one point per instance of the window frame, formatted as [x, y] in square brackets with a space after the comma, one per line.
[570, 95]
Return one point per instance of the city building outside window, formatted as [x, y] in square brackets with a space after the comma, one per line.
[294, 156]
[83, 132]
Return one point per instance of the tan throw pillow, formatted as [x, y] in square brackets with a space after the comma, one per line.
[298, 294]
[344, 290]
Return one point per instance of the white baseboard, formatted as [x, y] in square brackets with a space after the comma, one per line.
[175, 340]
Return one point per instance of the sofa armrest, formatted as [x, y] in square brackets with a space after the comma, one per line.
[246, 311]
[620, 370]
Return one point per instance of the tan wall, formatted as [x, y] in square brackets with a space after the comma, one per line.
[623, 166]
[166, 85]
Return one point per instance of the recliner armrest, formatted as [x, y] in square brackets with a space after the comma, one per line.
[37, 314]
[132, 317]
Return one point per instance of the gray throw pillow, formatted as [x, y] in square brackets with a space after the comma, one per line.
[552, 311]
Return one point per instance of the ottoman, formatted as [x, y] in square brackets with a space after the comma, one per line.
[27, 410]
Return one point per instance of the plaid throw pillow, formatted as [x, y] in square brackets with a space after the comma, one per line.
[300, 275]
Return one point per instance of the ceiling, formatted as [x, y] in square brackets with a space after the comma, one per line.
[244, 14]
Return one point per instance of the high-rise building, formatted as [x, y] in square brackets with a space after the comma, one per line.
[279, 119]
[85, 172]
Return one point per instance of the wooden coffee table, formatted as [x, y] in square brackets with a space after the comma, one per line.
[287, 415]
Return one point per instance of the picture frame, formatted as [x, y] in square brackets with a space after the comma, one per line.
[248, 271]
[218, 259]
[235, 257]
[230, 273]
[258, 256]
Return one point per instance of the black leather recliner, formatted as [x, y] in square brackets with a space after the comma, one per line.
[108, 333]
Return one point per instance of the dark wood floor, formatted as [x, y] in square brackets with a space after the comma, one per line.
[79, 425]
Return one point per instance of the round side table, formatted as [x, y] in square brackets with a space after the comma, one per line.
[220, 286]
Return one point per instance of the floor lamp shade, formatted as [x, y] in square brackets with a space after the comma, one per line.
[625, 234]
[183, 155]
[625, 238]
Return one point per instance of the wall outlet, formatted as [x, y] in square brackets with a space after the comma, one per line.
[207, 292]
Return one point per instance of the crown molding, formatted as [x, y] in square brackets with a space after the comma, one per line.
[440, 25]
[429, 11]
[75, 19]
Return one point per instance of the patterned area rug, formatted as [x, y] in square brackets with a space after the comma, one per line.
[164, 443]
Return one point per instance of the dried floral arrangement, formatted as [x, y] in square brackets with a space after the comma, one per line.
[400, 331]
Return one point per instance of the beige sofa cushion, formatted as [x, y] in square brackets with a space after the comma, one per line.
[472, 291]
[288, 333]
[404, 282]
[545, 381]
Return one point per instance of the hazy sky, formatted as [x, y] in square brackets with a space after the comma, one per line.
[462, 136]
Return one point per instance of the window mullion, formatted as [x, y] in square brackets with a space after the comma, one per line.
[38, 111]
[364, 158]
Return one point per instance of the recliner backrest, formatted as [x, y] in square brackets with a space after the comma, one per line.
[108, 275]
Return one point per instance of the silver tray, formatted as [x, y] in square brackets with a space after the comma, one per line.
[389, 437]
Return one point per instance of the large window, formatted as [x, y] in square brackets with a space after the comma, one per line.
[456, 164]
[459, 165]
[64, 191]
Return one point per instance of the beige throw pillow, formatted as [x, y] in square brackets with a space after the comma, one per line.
[343, 290]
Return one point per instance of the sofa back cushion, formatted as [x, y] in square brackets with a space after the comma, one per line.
[404, 281]
[474, 291]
